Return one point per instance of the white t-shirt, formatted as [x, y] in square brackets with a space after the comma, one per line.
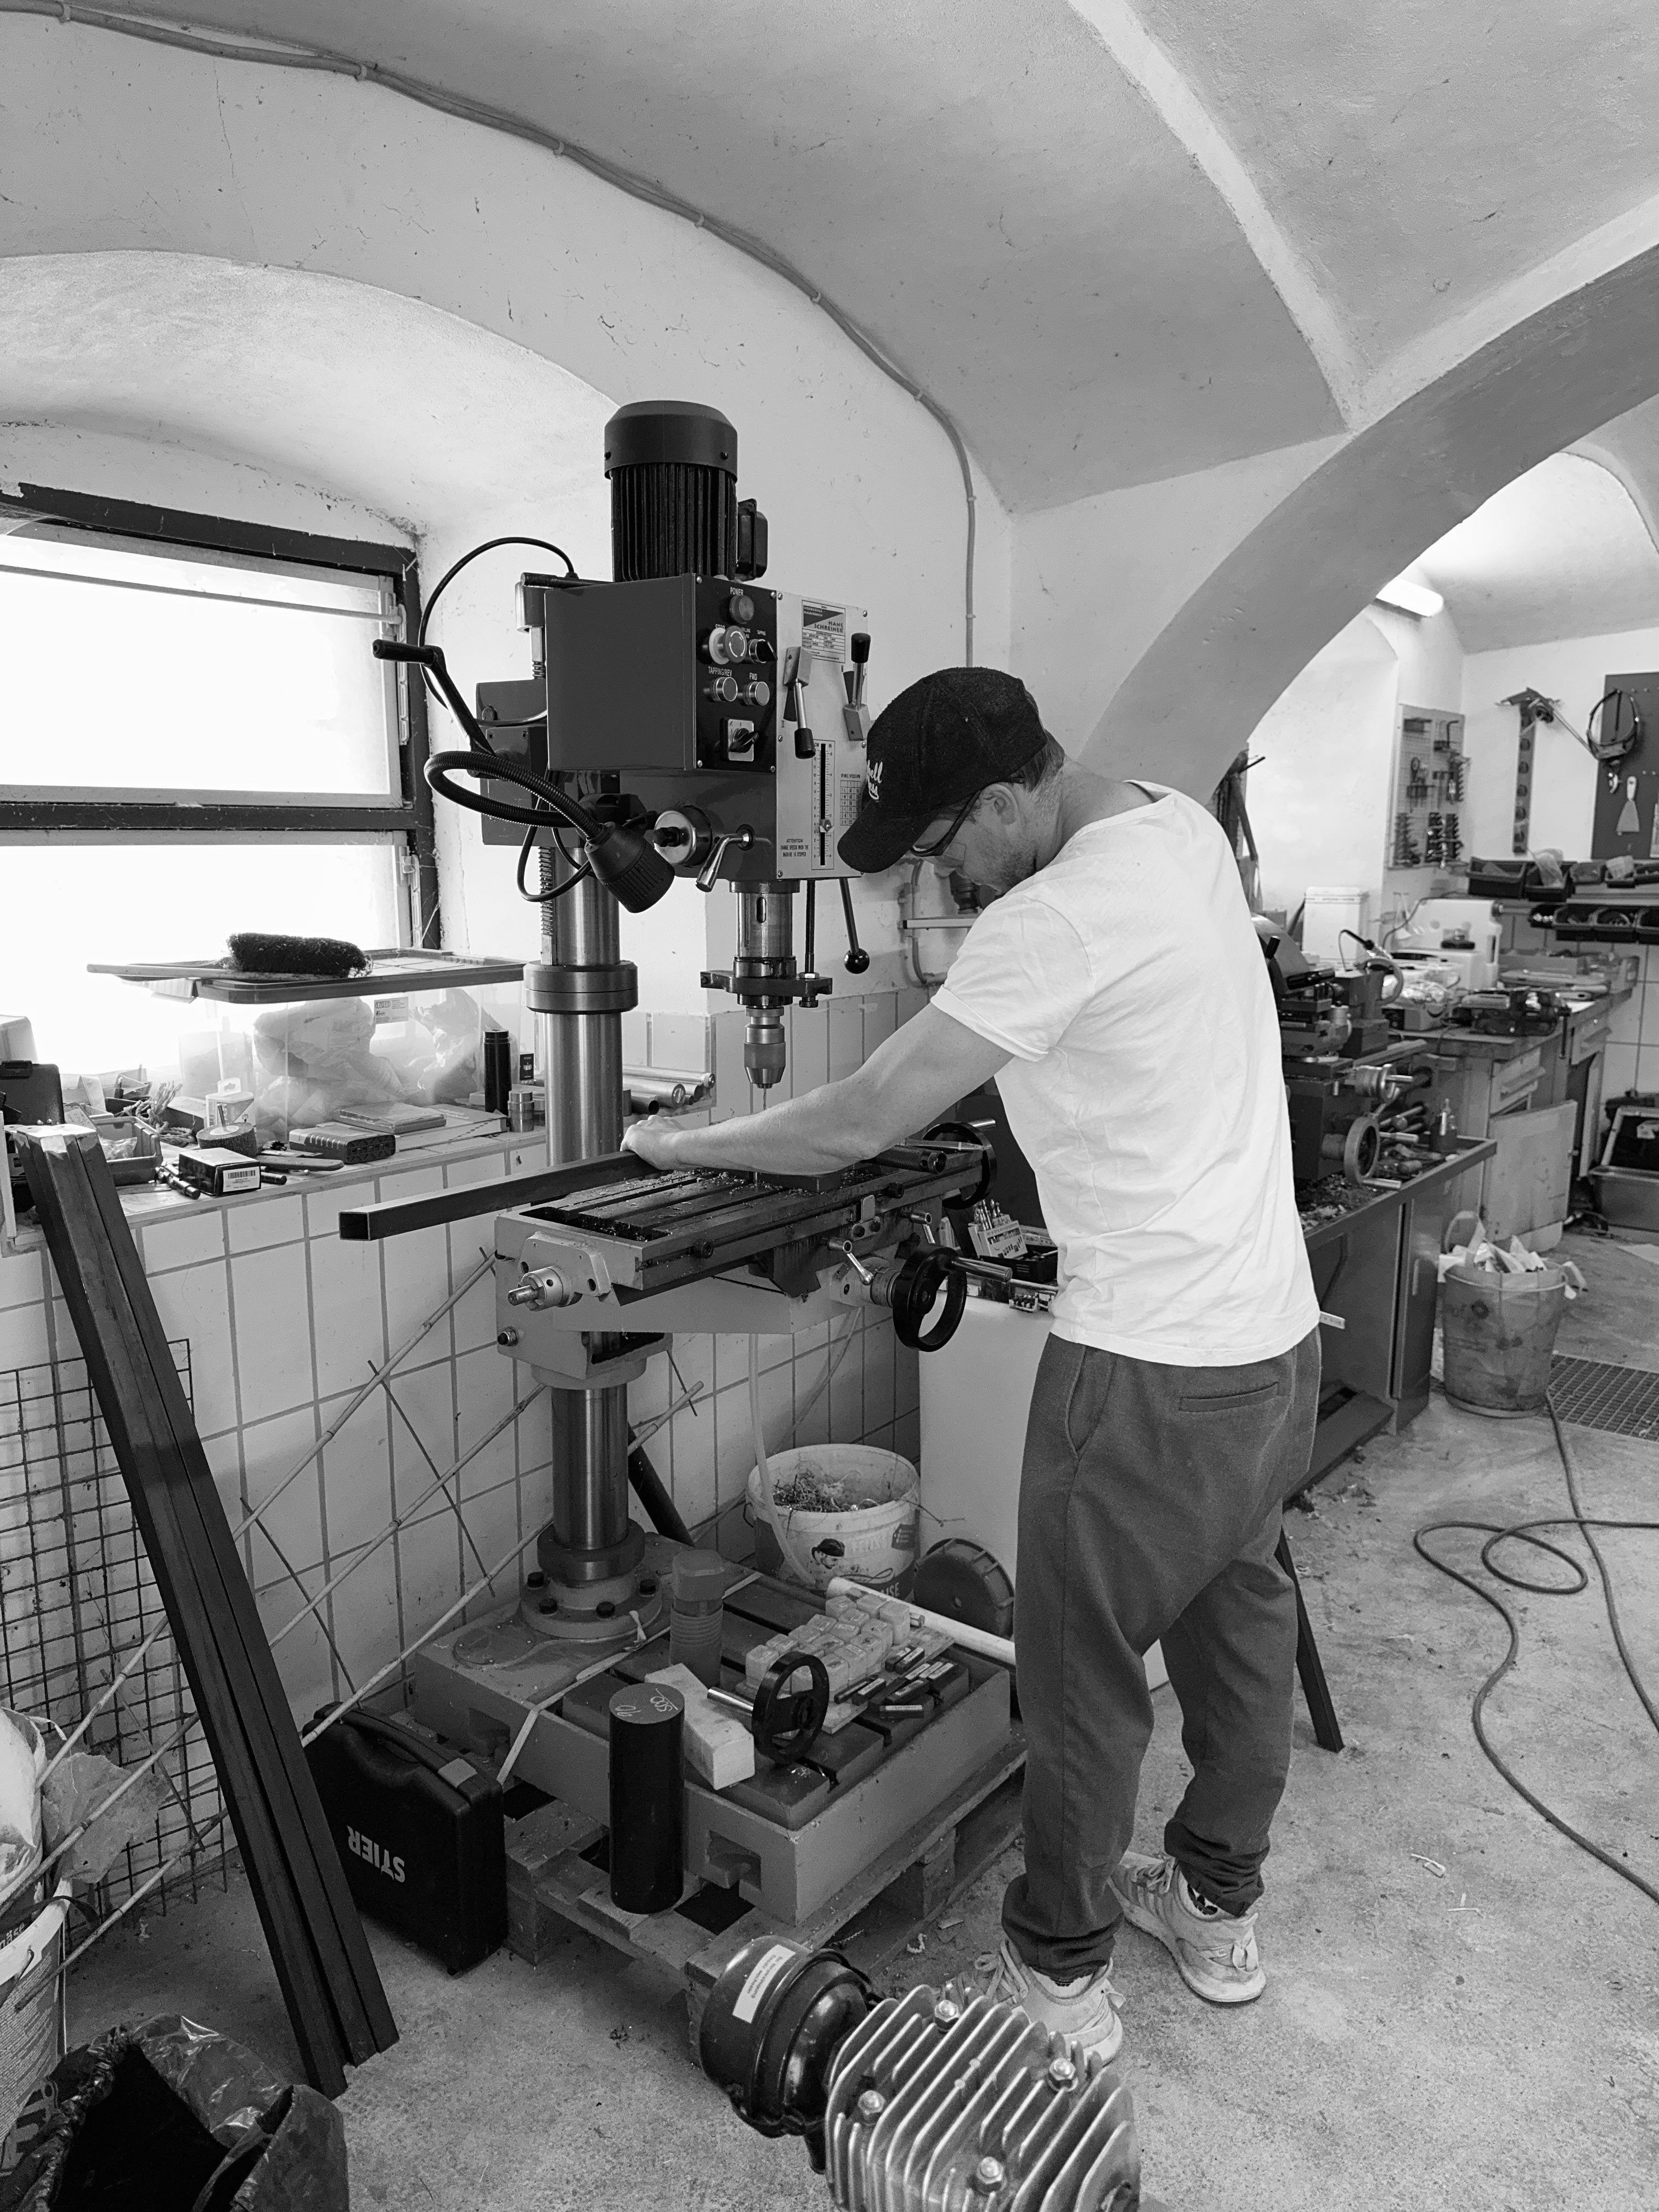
[1146, 1089]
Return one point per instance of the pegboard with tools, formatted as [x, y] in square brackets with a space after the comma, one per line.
[1627, 823]
[1430, 785]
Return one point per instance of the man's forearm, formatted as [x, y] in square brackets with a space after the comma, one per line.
[831, 1127]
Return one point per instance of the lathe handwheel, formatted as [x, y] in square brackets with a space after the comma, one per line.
[1360, 1149]
[786, 1721]
[914, 1289]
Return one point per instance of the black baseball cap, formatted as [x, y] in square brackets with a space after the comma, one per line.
[937, 743]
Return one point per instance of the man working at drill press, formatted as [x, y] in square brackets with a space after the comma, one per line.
[1116, 989]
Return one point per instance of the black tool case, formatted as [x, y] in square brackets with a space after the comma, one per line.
[420, 1834]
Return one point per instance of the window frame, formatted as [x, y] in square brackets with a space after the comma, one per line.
[408, 819]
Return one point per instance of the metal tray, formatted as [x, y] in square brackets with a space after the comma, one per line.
[393, 972]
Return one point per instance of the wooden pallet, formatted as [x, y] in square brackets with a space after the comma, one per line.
[557, 1878]
[789, 1839]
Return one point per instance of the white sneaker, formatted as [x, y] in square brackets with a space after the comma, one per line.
[1215, 1952]
[1085, 2010]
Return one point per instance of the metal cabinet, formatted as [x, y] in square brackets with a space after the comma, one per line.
[1376, 1271]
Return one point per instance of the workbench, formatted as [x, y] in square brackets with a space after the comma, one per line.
[1538, 1099]
[1376, 1270]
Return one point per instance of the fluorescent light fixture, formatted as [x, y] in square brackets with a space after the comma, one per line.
[1406, 598]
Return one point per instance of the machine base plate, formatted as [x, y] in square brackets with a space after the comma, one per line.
[788, 1839]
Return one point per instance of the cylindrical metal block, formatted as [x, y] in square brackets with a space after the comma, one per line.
[497, 1070]
[647, 1797]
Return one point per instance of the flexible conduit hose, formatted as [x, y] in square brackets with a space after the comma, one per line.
[321, 60]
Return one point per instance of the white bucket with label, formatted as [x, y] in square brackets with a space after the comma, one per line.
[873, 1539]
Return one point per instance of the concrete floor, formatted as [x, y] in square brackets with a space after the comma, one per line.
[1483, 2037]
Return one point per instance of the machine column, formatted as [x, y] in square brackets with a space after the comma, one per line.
[579, 991]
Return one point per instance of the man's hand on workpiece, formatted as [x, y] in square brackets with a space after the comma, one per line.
[909, 1081]
[654, 1138]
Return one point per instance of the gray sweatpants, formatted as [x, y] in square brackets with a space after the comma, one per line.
[1149, 1511]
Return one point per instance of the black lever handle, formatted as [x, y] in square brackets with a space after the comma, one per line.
[857, 959]
[431, 658]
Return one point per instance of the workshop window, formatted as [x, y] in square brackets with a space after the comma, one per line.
[194, 738]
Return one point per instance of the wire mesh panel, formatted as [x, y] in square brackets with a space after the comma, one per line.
[77, 1599]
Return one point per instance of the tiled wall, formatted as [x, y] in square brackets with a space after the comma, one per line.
[285, 1323]
[1631, 1059]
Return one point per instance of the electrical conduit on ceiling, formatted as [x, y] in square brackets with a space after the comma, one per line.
[282, 54]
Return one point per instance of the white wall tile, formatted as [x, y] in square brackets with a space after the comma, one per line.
[486, 1168]
[484, 1392]
[907, 1003]
[415, 1269]
[474, 1323]
[271, 1320]
[880, 1399]
[428, 1398]
[693, 1467]
[732, 1091]
[880, 1019]
[346, 1312]
[693, 1363]
[23, 1339]
[365, 1607]
[1618, 1069]
[356, 1485]
[429, 1565]
[22, 1279]
[809, 1047]
[1626, 1027]
[185, 1242]
[253, 1222]
[734, 1453]
[649, 1395]
[907, 1379]
[680, 1042]
[1647, 995]
[193, 1303]
[846, 1395]
[1647, 1068]
[845, 1032]
[271, 1450]
[637, 1037]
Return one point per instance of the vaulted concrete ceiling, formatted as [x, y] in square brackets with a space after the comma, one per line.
[1119, 243]
[1561, 552]
[290, 370]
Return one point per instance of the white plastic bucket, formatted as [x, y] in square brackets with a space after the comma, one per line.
[873, 1543]
[31, 2011]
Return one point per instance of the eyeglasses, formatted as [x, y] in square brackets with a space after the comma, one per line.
[932, 851]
